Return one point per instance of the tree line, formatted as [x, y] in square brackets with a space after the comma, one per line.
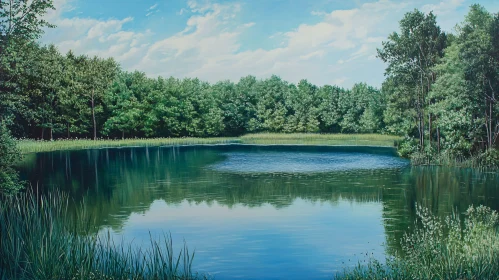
[68, 96]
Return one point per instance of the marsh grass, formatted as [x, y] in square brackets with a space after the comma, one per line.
[35, 146]
[437, 248]
[39, 240]
[321, 139]
[488, 160]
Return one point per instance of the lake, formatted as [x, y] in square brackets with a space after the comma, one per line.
[260, 212]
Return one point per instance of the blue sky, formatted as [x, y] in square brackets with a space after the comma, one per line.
[323, 41]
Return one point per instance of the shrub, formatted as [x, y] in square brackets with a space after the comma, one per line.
[442, 249]
[9, 154]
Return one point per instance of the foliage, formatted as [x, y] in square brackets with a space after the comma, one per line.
[40, 240]
[9, 154]
[21, 22]
[442, 249]
[411, 56]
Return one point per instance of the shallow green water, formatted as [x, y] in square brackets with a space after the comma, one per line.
[260, 212]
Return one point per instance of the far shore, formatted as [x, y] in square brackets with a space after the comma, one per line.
[376, 140]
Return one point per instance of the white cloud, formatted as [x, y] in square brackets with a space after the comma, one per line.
[209, 46]
[181, 12]
[444, 7]
[105, 27]
[153, 7]
[339, 81]
[319, 53]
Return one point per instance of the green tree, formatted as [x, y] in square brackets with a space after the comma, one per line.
[478, 50]
[411, 56]
[302, 105]
[21, 22]
[271, 107]
[329, 112]
[124, 103]
[452, 105]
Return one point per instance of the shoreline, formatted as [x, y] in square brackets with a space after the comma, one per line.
[361, 140]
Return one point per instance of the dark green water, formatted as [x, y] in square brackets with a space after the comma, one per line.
[256, 212]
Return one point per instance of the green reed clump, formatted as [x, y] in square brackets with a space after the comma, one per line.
[35, 146]
[321, 139]
[485, 160]
[40, 240]
[442, 249]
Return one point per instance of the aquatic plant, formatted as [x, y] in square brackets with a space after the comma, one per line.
[321, 139]
[437, 248]
[35, 146]
[40, 240]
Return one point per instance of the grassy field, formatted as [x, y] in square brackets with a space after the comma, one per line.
[321, 139]
[32, 146]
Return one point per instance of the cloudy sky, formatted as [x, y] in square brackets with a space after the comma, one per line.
[323, 41]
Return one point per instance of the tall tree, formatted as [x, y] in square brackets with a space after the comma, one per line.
[478, 50]
[94, 77]
[411, 56]
[21, 22]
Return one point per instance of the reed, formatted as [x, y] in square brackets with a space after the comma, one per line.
[447, 248]
[321, 139]
[39, 240]
[35, 146]
[488, 160]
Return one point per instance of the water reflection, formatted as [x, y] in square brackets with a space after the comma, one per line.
[289, 224]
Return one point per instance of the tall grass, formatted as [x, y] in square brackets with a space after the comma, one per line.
[442, 249]
[35, 146]
[485, 160]
[39, 240]
[321, 139]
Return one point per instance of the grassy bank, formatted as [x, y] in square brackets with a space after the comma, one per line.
[32, 146]
[321, 139]
[441, 249]
[38, 240]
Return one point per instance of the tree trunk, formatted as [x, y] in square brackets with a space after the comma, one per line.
[69, 136]
[429, 129]
[43, 132]
[490, 124]
[123, 135]
[93, 115]
[50, 133]
[438, 139]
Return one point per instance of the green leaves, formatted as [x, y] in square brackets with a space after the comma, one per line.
[9, 154]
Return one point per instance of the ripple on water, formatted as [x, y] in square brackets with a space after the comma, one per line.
[303, 162]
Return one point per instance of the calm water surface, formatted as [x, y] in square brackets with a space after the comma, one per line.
[260, 212]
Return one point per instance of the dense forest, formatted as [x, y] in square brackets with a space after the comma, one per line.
[440, 93]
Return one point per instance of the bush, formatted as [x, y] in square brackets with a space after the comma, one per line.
[9, 154]
[442, 249]
[489, 159]
[407, 147]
